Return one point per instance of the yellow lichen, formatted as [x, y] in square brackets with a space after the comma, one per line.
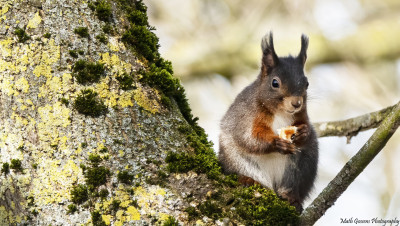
[4, 8]
[42, 69]
[52, 117]
[107, 219]
[54, 181]
[149, 104]
[35, 21]
[125, 99]
[22, 84]
[113, 44]
[46, 58]
[116, 66]
[52, 87]
[132, 213]
[7, 85]
[5, 44]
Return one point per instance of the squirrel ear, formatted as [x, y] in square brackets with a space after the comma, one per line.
[303, 52]
[269, 57]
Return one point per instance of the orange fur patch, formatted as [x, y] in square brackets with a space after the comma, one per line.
[247, 181]
[262, 128]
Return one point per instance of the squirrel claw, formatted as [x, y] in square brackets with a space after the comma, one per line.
[284, 147]
[302, 133]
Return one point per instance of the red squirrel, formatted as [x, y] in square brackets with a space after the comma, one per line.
[249, 143]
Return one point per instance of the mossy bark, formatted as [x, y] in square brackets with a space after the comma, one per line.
[102, 160]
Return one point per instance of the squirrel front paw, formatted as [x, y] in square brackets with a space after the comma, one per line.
[284, 147]
[303, 131]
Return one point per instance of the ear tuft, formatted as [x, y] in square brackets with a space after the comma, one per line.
[269, 58]
[303, 52]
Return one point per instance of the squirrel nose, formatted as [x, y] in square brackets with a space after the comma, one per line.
[296, 103]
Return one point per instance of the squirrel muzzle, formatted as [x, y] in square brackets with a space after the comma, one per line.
[293, 104]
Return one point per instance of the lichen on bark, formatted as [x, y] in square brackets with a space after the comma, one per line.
[74, 166]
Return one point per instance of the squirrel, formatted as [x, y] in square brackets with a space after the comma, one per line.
[249, 143]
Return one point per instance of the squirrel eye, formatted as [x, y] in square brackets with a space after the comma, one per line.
[275, 83]
[307, 85]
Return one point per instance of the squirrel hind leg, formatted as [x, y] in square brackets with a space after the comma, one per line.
[247, 181]
[291, 198]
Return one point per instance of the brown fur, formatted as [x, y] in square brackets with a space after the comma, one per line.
[261, 128]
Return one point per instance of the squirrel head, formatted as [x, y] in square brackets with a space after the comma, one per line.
[282, 83]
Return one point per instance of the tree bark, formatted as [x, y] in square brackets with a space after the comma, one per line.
[353, 167]
[351, 127]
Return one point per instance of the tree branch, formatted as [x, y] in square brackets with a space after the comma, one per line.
[351, 127]
[353, 167]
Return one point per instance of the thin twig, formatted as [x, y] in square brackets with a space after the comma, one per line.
[351, 127]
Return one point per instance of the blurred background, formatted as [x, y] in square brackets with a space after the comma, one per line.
[353, 68]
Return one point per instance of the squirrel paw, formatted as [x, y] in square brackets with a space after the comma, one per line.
[284, 147]
[303, 131]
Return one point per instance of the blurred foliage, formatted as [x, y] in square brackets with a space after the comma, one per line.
[223, 37]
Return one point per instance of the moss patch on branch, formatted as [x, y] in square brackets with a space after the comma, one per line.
[88, 103]
[83, 32]
[22, 35]
[87, 72]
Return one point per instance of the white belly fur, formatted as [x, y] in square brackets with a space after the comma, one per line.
[272, 166]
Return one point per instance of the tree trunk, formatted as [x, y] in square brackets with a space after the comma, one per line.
[96, 130]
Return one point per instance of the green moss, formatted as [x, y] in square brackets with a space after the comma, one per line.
[102, 38]
[192, 212]
[5, 168]
[203, 160]
[21, 148]
[171, 221]
[138, 18]
[34, 165]
[159, 179]
[16, 165]
[94, 159]
[97, 220]
[79, 194]
[103, 150]
[87, 72]
[89, 104]
[108, 29]
[30, 200]
[65, 101]
[211, 209]
[71, 209]
[166, 101]
[84, 145]
[21, 34]
[81, 52]
[35, 212]
[143, 41]
[83, 32]
[125, 177]
[92, 6]
[96, 176]
[103, 10]
[103, 193]
[73, 53]
[125, 81]
[230, 180]
[115, 205]
[259, 206]
[47, 35]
